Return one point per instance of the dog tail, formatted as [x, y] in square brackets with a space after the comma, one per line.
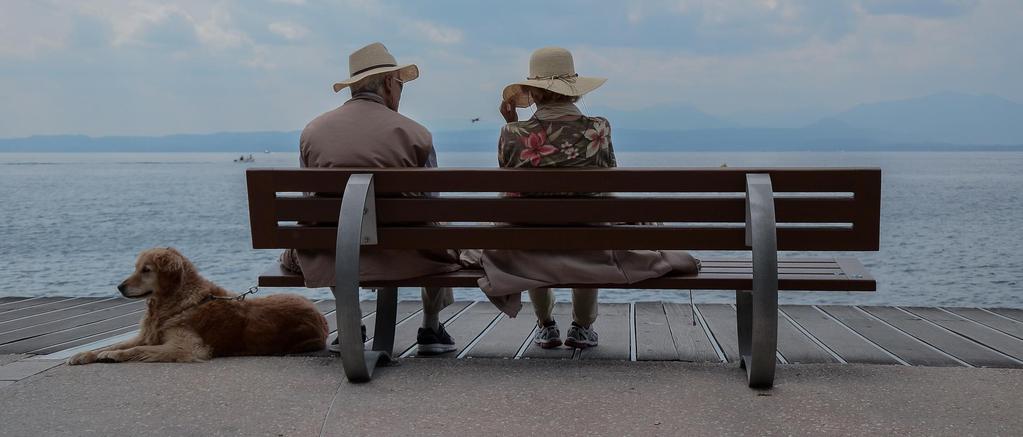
[324, 328]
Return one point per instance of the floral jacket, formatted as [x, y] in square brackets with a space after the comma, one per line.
[585, 142]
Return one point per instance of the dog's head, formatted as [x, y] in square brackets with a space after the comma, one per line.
[158, 272]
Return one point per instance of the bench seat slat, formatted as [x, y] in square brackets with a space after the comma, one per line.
[275, 276]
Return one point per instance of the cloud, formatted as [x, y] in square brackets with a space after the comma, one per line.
[438, 33]
[238, 64]
[23, 35]
[288, 30]
[920, 8]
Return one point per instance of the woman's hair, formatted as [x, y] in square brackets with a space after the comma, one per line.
[542, 96]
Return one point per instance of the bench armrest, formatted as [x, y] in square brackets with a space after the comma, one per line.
[757, 309]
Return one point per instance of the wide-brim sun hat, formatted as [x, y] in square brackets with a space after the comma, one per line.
[375, 59]
[551, 69]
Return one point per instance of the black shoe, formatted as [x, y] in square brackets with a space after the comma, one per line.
[433, 343]
[336, 345]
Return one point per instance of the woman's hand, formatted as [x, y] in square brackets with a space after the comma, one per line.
[508, 111]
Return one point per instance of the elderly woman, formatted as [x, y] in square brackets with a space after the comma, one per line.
[559, 135]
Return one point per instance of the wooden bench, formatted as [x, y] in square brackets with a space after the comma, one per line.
[757, 210]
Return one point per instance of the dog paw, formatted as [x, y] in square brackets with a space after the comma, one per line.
[107, 357]
[82, 358]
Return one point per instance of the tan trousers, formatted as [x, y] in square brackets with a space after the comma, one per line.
[434, 299]
[584, 305]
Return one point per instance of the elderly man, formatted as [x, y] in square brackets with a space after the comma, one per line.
[368, 131]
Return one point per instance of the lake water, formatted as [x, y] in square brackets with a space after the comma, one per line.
[71, 224]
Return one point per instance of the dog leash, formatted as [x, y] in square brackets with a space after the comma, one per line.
[252, 290]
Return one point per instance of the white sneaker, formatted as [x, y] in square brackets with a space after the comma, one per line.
[548, 337]
[581, 337]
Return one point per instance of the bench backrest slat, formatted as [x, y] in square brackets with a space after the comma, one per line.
[524, 210]
[704, 209]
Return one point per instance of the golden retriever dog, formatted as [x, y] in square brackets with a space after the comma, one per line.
[190, 319]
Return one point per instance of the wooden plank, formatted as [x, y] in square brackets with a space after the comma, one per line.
[781, 271]
[653, 334]
[85, 340]
[1000, 323]
[262, 200]
[721, 322]
[972, 330]
[506, 338]
[72, 322]
[41, 307]
[563, 315]
[849, 346]
[274, 276]
[635, 179]
[691, 342]
[947, 342]
[1012, 313]
[469, 325]
[327, 307]
[853, 268]
[62, 314]
[823, 263]
[707, 237]
[404, 311]
[704, 281]
[908, 348]
[10, 299]
[32, 301]
[797, 348]
[704, 209]
[614, 333]
[405, 333]
[32, 345]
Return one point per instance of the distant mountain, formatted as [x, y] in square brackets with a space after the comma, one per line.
[215, 142]
[945, 121]
[951, 118]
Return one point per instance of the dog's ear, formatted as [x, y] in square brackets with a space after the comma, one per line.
[170, 268]
[168, 260]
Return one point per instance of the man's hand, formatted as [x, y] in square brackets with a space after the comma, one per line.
[508, 112]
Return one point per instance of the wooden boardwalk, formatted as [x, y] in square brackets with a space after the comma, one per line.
[56, 327]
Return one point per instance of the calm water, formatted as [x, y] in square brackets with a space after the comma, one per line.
[71, 224]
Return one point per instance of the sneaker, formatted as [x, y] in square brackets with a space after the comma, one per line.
[335, 347]
[581, 337]
[548, 336]
[434, 342]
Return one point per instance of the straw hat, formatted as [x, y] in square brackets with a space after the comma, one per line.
[552, 69]
[375, 59]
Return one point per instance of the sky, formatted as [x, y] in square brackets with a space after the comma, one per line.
[155, 67]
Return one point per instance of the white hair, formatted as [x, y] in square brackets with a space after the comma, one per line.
[372, 84]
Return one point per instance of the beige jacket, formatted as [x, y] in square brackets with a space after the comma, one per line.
[365, 133]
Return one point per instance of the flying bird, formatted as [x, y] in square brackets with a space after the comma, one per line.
[475, 120]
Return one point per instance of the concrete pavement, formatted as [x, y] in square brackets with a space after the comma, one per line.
[308, 396]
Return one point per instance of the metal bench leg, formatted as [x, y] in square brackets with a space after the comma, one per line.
[757, 310]
[744, 323]
[387, 313]
[356, 227]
